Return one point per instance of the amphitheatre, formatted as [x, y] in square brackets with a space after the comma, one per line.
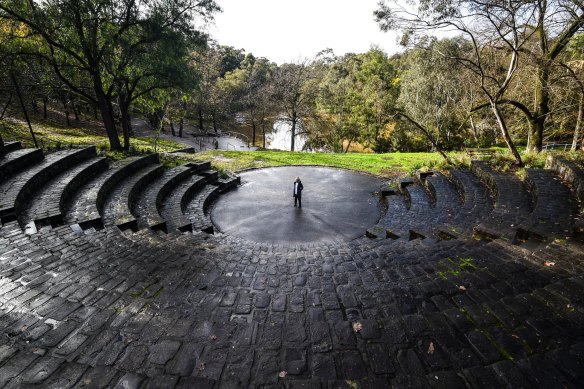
[131, 274]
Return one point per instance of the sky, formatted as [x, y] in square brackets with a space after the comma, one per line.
[292, 30]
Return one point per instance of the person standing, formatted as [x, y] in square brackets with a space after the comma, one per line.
[298, 192]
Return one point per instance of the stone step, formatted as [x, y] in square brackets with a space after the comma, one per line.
[83, 208]
[46, 206]
[445, 195]
[422, 215]
[569, 172]
[199, 166]
[172, 208]
[116, 209]
[554, 207]
[513, 203]
[17, 160]
[11, 146]
[14, 191]
[476, 206]
[146, 205]
[393, 222]
[195, 210]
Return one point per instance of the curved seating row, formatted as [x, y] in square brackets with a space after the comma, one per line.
[106, 307]
[15, 190]
[482, 203]
[78, 188]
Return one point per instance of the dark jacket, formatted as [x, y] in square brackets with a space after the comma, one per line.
[300, 187]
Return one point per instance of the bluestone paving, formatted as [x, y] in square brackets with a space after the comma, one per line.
[146, 308]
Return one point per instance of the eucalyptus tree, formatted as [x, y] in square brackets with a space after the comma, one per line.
[294, 95]
[431, 97]
[96, 38]
[334, 104]
[247, 89]
[500, 26]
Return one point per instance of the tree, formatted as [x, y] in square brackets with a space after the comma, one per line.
[538, 31]
[248, 92]
[498, 32]
[294, 93]
[334, 105]
[92, 34]
[431, 93]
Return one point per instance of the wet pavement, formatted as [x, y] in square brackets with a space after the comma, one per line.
[336, 205]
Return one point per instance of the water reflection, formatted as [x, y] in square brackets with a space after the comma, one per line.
[280, 138]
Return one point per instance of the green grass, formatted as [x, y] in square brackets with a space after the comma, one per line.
[386, 165]
[50, 135]
[53, 135]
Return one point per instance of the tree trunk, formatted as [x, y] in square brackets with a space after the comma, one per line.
[24, 112]
[214, 118]
[180, 127]
[576, 139]
[264, 135]
[505, 132]
[293, 134]
[200, 115]
[6, 106]
[542, 98]
[126, 124]
[66, 112]
[172, 128]
[348, 145]
[474, 130]
[76, 111]
[107, 113]
[253, 132]
[45, 102]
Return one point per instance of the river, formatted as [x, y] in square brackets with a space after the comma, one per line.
[279, 139]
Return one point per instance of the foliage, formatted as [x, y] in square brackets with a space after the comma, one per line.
[49, 136]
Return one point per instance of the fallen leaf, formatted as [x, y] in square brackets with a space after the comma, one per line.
[282, 374]
[515, 336]
[462, 287]
[213, 337]
[549, 263]
[357, 327]
[431, 348]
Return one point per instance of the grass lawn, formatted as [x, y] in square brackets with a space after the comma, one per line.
[389, 165]
[386, 165]
[50, 135]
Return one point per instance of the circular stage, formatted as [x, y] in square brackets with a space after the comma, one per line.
[336, 205]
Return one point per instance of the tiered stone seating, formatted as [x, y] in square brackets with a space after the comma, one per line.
[477, 204]
[173, 209]
[18, 160]
[429, 203]
[9, 146]
[15, 190]
[116, 209]
[554, 207]
[570, 173]
[146, 205]
[87, 307]
[84, 208]
[195, 209]
[446, 197]
[146, 208]
[513, 204]
[46, 206]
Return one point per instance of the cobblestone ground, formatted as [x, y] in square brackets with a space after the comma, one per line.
[147, 310]
[87, 306]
